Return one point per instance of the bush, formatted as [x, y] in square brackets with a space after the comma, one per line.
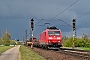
[7, 44]
[88, 44]
[79, 43]
[68, 43]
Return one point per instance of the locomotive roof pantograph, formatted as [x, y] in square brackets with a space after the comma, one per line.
[52, 27]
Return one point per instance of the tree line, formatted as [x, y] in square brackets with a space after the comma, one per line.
[6, 39]
[84, 41]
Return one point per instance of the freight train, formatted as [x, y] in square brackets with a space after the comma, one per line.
[51, 38]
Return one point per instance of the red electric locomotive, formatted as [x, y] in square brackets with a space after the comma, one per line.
[51, 38]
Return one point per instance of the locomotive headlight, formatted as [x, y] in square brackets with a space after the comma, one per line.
[58, 41]
[58, 38]
[49, 41]
[50, 37]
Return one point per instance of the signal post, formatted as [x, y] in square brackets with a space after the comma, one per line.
[74, 31]
[32, 27]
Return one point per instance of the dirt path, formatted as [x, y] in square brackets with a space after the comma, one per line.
[11, 54]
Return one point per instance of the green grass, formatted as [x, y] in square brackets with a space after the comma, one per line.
[4, 48]
[29, 54]
[81, 48]
[85, 48]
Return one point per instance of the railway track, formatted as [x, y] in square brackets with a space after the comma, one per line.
[75, 52]
[72, 52]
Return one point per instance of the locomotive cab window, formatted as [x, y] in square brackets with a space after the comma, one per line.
[50, 33]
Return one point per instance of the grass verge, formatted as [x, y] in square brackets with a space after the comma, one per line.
[81, 48]
[4, 48]
[85, 48]
[29, 54]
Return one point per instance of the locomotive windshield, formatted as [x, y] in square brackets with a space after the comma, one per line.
[54, 33]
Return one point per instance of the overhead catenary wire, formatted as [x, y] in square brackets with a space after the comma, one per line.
[39, 21]
[62, 3]
[61, 13]
[59, 5]
[60, 25]
[83, 14]
[64, 9]
[55, 9]
[65, 22]
[77, 17]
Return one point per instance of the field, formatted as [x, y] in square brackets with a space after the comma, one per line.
[4, 48]
[29, 54]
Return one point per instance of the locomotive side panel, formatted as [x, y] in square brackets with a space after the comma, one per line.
[43, 38]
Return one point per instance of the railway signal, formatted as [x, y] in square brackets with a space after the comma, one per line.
[74, 24]
[32, 23]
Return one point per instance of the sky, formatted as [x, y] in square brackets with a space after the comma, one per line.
[15, 16]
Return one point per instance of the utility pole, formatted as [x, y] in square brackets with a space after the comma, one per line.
[23, 40]
[30, 30]
[1, 38]
[0, 34]
[74, 31]
[26, 34]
